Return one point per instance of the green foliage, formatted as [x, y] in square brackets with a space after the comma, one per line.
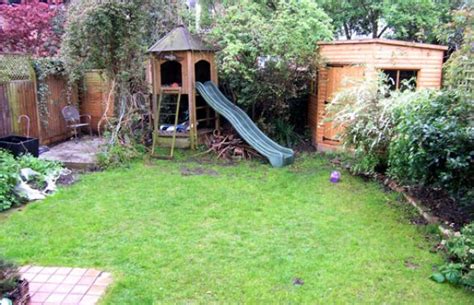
[9, 169]
[364, 111]
[459, 69]
[9, 276]
[459, 268]
[400, 19]
[267, 54]
[106, 35]
[434, 144]
[10, 174]
[285, 133]
[46, 67]
[118, 155]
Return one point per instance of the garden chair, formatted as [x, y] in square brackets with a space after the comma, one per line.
[73, 119]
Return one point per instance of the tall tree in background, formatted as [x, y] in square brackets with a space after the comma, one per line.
[400, 19]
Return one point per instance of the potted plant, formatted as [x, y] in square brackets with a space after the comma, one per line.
[13, 289]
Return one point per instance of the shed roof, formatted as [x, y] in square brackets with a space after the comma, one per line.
[387, 42]
[179, 39]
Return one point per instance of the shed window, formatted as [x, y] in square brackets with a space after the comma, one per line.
[401, 79]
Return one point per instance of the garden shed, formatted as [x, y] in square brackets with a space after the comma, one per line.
[366, 58]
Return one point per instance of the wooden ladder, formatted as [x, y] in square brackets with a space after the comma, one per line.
[157, 118]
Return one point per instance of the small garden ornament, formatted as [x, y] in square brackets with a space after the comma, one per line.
[335, 177]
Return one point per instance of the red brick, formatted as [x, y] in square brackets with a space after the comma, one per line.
[41, 278]
[49, 270]
[47, 287]
[63, 271]
[64, 288]
[96, 290]
[92, 272]
[78, 271]
[56, 279]
[72, 299]
[89, 300]
[71, 279]
[87, 280]
[55, 298]
[80, 289]
[40, 296]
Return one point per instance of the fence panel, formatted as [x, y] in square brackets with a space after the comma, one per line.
[5, 121]
[53, 128]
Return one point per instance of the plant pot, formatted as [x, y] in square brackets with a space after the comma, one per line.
[19, 145]
[20, 295]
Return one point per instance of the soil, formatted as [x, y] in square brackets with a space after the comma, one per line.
[304, 146]
[67, 179]
[198, 171]
[441, 206]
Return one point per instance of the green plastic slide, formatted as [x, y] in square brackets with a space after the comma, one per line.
[278, 155]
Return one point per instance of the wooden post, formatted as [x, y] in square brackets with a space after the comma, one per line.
[192, 101]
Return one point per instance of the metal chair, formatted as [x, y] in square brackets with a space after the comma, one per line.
[73, 119]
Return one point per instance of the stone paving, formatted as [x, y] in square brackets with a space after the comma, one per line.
[65, 286]
[80, 154]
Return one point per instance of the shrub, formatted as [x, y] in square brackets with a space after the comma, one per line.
[118, 155]
[267, 53]
[434, 144]
[365, 113]
[9, 276]
[459, 268]
[8, 179]
[10, 175]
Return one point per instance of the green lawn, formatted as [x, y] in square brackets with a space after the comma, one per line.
[233, 234]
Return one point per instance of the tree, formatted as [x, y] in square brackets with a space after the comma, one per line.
[400, 19]
[268, 52]
[33, 28]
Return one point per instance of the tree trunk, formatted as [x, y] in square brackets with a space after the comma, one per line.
[347, 31]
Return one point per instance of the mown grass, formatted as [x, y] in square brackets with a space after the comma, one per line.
[232, 234]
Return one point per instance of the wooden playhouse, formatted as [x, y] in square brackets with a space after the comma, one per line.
[356, 59]
[177, 62]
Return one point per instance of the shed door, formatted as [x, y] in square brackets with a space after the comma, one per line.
[338, 79]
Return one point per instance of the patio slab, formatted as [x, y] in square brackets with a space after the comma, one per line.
[65, 286]
[80, 154]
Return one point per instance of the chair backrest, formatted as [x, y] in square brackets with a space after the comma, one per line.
[70, 114]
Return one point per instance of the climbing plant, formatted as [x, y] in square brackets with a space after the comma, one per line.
[44, 68]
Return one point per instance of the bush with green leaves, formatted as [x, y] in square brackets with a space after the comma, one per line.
[459, 268]
[433, 144]
[9, 276]
[10, 175]
[268, 53]
[9, 169]
[364, 112]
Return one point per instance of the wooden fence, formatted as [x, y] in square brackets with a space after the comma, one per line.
[19, 97]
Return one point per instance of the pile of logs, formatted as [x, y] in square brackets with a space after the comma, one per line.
[229, 146]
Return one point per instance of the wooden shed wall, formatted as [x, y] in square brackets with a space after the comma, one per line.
[372, 57]
[376, 56]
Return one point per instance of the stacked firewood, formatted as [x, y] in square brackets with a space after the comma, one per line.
[229, 146]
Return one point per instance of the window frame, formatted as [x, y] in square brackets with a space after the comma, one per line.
[398, 70]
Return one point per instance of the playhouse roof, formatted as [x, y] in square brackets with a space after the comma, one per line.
[179, 39]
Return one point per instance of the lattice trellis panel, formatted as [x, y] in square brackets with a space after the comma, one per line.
[15, 67]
